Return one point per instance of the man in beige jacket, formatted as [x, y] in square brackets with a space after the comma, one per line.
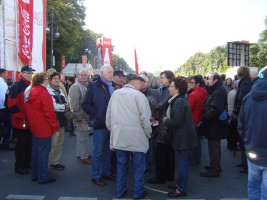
[76, 95]
[128, 119]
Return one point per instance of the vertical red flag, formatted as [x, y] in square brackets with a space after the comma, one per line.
[25, 9]
[136, 62]
[63, 65]
[84, 61]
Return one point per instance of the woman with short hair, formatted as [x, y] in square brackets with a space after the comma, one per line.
[180, 126]
[43, 123]
[60, 106]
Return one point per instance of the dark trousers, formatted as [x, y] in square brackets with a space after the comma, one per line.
[215, 153]
[23, 148]
[232, 138]
[5, 133]
[165, 162]
[243, 152]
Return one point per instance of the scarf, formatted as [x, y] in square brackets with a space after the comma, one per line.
[109, 84]
[57, 89]
[168, 114]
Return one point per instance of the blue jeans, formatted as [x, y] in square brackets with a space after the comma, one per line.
[40, 154]
[257, 182]
[122, 172]
[101, 154]
[195, 153]
[182, 160]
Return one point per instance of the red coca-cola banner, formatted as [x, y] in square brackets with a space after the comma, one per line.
[84, 60]
[63, 62]
[106, 52]
[25, 9]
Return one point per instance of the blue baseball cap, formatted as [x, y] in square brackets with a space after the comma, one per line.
[27, 68]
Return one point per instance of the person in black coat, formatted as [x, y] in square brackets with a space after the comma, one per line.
[215, 122]
[244, 87]
[165, 155]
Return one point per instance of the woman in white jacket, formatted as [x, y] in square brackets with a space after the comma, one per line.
[60, 105]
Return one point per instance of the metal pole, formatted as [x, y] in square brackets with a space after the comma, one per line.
[52, 32]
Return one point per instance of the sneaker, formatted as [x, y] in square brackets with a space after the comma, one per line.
[58, 166]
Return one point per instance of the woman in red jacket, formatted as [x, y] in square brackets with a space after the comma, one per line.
[196, 100]
[43, 123]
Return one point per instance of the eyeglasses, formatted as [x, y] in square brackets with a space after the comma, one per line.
[56, 79]
[192, 82]
[28, 72]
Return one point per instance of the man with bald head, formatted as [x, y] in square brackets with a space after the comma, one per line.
[95, 104]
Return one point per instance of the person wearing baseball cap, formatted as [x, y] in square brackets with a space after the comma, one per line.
[131, 77]
[20, 125]
[128, 119]
[118, 78]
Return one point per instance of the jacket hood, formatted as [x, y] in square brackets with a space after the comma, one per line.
[259, 90]
[27, 93]
[34, 92]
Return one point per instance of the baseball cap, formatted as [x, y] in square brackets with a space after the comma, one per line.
[27, 68]
[118, 73]
[130, 77]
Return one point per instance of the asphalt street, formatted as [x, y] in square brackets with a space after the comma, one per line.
[74, 183]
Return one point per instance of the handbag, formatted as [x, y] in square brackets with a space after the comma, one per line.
[68, 115]
[155, 130]
[200, 129]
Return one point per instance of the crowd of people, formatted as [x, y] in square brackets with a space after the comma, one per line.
[154, 122]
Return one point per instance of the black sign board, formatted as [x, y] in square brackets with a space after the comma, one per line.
[237, 54]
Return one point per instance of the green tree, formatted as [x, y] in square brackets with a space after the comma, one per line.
[69, 17]
[119, 63]
[262, 44]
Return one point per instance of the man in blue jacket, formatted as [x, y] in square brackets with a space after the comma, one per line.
[95, 104]
[252, 128]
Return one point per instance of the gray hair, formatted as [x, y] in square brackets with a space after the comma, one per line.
[253, 73]
[81, 71]
[144, 77]
[154, 82]
[50, 70]
[103, 68]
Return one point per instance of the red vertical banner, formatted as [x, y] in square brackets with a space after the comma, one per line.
[63, 65]
[106, 52]
[136, 62]
[25, 11]
[84, 60]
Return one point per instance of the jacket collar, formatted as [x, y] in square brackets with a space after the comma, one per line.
[129, 86]
[100, 82]
[26, 81]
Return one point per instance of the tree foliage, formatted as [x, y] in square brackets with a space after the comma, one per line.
[119, 63]
[216, 59]
[69, 16]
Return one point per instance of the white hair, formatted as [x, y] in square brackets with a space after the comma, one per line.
[103, 68]
[253, 73]
[144, 77]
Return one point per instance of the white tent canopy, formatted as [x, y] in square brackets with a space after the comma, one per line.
[73, 68]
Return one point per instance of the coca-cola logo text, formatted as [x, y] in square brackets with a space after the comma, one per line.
[107, 42]
[26, 30]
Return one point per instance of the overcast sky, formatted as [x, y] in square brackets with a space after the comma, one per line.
[166, 33]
